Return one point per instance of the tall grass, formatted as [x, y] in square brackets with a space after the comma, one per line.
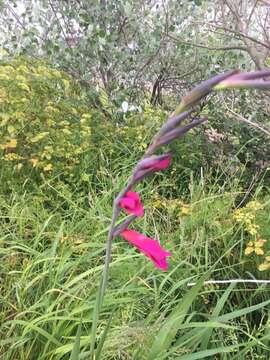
[52, 251]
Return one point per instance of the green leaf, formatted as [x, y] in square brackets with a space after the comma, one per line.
[76, 348]
[218, 308]
[206, 353]
[167, 333]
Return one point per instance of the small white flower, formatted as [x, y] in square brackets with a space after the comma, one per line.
[124, 106]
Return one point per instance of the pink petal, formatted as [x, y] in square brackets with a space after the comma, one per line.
[163, 164]
[160, 164]
[127, 203]
[133, 195]
[139, 211]
[132, 204]
[149, 247]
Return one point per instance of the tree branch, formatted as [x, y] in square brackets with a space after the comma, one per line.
[222, 48]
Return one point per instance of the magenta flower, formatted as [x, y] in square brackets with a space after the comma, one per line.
[149, 247]
[131, 202]
[162, 164]
[156, 163]
[151, 164]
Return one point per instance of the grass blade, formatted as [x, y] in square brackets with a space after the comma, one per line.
[218, 308]
[76, 348]
[103, 337]
[168, 331]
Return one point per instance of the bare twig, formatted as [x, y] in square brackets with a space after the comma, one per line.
[237, 33]
[213, 48]
[253, 182]
[249, 122]
[252, 11]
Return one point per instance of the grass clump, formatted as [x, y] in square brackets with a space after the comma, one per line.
[52, 261]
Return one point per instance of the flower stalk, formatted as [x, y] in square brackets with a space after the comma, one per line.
[151, 163]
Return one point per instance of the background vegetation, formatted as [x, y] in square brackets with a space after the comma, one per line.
[84, 85]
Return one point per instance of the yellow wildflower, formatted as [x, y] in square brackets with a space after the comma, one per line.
[254, 205]
[50, 122]
[11, 144]
[22, 68]
[66, 83]
[256, 247]
[33, 162]
[48, 167]
[12, 157]
[4, 77]
[66, 131]
[185, 210]
[86, 116]
[252, 229]
[249, 250]
[238, 215]
[63, 239]
[3, 96]
[21, 78]
[258, 251]
[39, 137]
[264, 266]
[6, 69]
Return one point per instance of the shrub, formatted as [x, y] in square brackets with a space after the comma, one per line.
[44, 120]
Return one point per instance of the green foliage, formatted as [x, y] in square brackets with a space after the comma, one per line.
[130, 47]
[248, 143]
[52, 237]
[52, 257]
[49, 131]
[45, 122]
[62, 161]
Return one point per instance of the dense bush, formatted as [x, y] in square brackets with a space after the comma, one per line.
[45, 123]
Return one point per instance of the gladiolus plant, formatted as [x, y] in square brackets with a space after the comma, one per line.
[150, 163]
[129, 200]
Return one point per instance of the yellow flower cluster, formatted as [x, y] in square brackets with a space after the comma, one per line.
[12, 157]
[265, 265]
[254, 205]
[11, 144]
[256, 247]
[3, 96]
[247, 216]
[41, 108]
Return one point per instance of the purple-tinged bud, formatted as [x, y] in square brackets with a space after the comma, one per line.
[178, 132]
[201, 91]
[154, 162]
[151, 164]
[244, 84]
[253, 79]
[252, 75]
[172, 123]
